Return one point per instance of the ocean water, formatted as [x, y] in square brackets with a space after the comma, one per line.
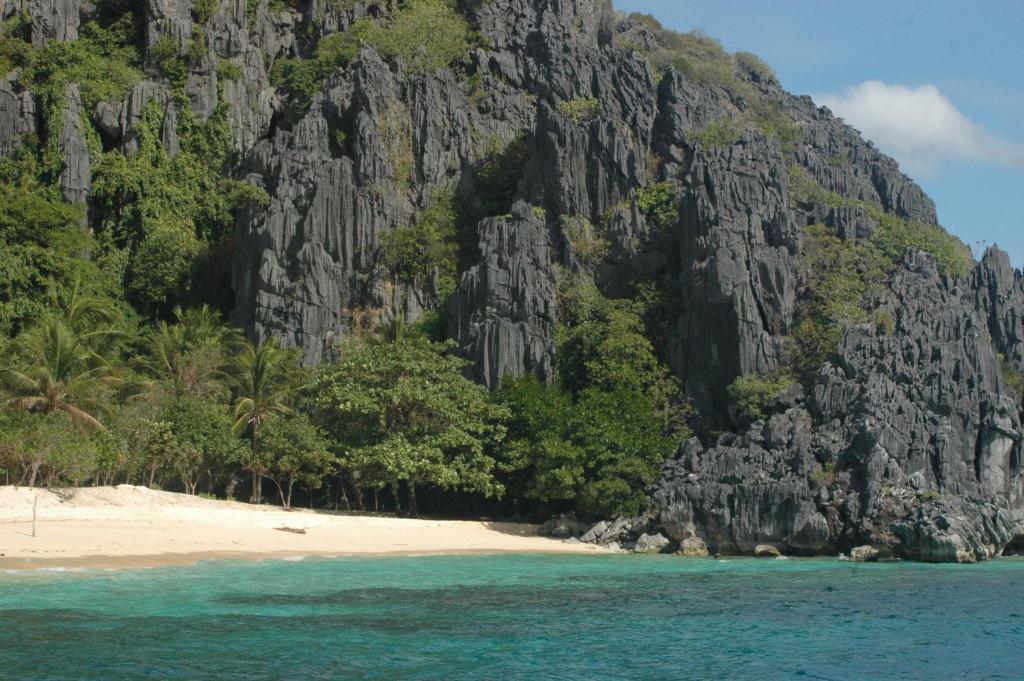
[517, 617]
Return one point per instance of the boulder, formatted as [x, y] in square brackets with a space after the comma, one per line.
[864, 554]
[651, 543]
[766, 551]
[692, 547]
[562, 527]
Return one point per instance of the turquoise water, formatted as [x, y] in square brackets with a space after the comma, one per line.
[517, 617]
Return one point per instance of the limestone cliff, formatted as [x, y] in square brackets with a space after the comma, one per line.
[566, 112]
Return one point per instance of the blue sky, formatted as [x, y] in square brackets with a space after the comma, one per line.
[937, 84]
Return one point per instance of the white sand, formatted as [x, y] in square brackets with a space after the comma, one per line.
[128, 526]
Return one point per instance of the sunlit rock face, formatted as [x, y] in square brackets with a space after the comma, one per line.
[907, 437]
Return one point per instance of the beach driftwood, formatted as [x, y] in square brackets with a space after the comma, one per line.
[293, 530]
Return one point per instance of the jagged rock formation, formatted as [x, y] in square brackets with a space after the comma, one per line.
[75, 176]
[504, 311]
[907, 438]
[908, 441]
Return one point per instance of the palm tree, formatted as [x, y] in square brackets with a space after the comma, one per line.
[266, 377]
[62, 373]
[190, 354]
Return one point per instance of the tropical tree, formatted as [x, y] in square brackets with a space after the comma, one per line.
[206, 447]
[266, 378]
[406, 414]
[63, 371]
[191, 354]
[296, 451]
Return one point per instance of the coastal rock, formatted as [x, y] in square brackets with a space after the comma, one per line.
[591, 536]
[908, 441]
[53, 20]
[864, 554]
[562, 527]
[766, 551]
[651, 543]
[76, 175]
[18, 112]
[692, 547]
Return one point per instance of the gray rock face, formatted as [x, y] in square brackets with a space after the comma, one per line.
[53, 20]
[739, 252]
[864, 554]
[907, 441]
[503, 315]
[76, 175]
[651, 543]
[18, 117]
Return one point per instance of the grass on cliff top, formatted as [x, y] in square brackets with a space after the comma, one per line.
[700, 57]
[894, 235]
[422, 35]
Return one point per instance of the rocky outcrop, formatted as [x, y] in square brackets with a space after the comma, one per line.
[18, 117]
[739, 250]
[53, 20]
[907, 441]
[503, 315]
[76, 175]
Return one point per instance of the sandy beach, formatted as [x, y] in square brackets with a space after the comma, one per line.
[129, 526]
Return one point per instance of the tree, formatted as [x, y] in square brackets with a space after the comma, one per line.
[296, 451]
[192, 353]
[61, 374]
[202, 430]
[594, 441]
[540, 460]
[265, 378]
[403, 412]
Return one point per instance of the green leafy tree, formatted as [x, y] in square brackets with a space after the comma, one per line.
[403, 413]
[753, 395]
[595, 442]
[296, 452]
[206, 445]
[540, 460]
[49, 448]
[265, 378]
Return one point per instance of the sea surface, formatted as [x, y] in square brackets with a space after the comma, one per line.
[517, 617]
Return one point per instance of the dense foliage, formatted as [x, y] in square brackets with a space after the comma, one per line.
[753, 395]
[594, 441]
[401, 413]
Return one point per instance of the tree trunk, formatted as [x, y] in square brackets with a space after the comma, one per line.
[342, 496]
[412, 500]
[257, 479]
[291, 486]
[397, 498]
[280, 492]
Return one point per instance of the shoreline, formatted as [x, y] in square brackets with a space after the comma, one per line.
[134, 527]
[143, 562]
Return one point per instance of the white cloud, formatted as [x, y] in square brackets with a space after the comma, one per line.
[919, 126]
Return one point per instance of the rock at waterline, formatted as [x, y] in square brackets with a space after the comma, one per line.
[864, 554]
[692, 547]
[651, 543]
